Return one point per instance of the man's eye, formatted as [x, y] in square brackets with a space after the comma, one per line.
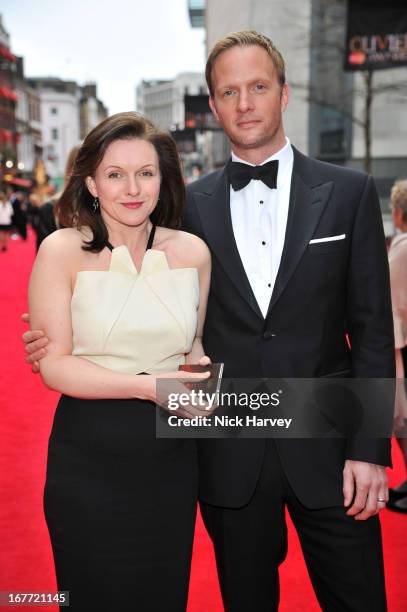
[228, 93]
[259, 87]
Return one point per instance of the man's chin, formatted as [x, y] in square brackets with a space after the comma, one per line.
[250, 142]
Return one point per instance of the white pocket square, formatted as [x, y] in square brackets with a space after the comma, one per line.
[328, 239]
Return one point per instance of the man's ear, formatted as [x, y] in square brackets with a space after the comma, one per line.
[285, 95]
[90, 184]
[213, 108]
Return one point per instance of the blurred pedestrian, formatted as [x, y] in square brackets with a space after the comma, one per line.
[33, 209]
[47, 219]
[398, 279]
[6, 216]
[19, 213]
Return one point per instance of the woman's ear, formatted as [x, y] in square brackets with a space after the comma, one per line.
[91, 185]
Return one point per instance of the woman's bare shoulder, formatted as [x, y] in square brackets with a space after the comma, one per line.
[65, 244]
[68, 237]
[192, 249]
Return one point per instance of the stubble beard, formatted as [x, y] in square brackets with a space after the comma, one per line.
[258, 143]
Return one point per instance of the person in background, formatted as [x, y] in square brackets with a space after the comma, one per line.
[6, 216]
[17, 201]
[47, 221]
[34, 205]
[398, 282]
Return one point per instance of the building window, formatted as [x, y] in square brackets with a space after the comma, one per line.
[54, 133]
[332, 137]
[54, 110]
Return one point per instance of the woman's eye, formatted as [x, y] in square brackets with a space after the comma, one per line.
[146, 173]
[114, 175]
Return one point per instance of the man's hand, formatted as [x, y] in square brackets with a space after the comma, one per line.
[366, 484]
[36, 342]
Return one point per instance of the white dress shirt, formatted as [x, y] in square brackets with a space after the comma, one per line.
[259, 220]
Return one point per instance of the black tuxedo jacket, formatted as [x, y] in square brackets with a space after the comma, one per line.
[322, 292]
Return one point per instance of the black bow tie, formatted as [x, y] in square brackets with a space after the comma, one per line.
[240, 175]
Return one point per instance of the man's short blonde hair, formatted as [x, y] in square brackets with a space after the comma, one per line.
[399, 197]
[245, 38]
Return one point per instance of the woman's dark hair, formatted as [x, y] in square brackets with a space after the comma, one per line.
[74, 208]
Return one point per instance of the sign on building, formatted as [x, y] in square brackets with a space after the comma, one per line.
[376, 35]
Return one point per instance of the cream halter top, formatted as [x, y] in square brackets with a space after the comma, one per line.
[134, 322]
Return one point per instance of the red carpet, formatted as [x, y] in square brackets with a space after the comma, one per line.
[26, 415]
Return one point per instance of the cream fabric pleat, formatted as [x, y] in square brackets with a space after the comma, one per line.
[134, 322]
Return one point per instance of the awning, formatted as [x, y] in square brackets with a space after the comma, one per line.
[4, 52]
[9, 94]
[19, 182]
[6, 135]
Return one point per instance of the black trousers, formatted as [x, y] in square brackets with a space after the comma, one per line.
[120, 507]
[343, 556]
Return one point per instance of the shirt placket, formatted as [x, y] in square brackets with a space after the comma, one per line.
[262, 239]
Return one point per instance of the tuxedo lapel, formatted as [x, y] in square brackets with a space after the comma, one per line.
[214, 211]
[308, 198]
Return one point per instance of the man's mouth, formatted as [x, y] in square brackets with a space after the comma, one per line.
[246, 123]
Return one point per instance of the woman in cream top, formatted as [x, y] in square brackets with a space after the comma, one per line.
[122, 296]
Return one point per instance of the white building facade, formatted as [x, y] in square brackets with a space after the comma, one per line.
[60, 128]
[60, 121]
[163, 101]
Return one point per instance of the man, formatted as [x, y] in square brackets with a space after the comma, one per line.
[280, 306]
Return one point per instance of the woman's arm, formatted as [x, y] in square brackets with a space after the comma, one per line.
[50, 293]
[202, 262]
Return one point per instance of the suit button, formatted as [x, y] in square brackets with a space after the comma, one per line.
[268, 334]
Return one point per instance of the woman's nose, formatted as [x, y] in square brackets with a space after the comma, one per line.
[133, 186]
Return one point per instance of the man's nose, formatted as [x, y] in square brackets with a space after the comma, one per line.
[245, 102]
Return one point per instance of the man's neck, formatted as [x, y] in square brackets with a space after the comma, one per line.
[258, 155]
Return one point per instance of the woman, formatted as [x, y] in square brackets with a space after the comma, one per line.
[398, 280]
[6, 219]
[122, 297]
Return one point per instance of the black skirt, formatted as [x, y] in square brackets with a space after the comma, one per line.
[120, 507]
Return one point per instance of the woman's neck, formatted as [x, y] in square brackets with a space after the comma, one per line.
[133, 237]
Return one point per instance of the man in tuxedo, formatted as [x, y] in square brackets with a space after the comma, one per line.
[299, 261]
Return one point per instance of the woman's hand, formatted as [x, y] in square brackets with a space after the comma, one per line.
[167, 388]
[205, 360]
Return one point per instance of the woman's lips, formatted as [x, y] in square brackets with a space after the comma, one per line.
[132, 205]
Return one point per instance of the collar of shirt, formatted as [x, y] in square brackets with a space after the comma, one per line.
[285, 158]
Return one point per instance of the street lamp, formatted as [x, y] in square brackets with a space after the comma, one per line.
[9, 163]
